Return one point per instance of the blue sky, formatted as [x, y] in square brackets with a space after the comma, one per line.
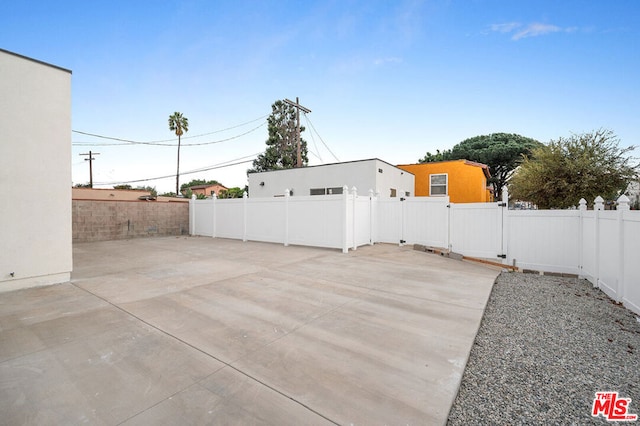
[385, 79]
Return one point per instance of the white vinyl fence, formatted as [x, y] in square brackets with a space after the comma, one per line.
[601, 246]
[335, 221]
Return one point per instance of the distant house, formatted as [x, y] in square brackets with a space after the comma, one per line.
[462, 180]
[373, 174]
[207, 190]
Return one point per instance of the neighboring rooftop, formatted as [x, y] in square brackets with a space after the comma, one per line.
[102, 194]
[333, 164]
[484, 167]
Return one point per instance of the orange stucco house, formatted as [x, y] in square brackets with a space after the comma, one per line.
[463, 181]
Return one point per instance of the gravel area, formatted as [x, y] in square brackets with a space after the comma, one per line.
[544, 347]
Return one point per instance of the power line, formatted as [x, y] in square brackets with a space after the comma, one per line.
[325, 145]
[228, 128]
[314, 142]
[169, 140]
[131, 143]
[203, 169]
[171, 176]
[316, 155]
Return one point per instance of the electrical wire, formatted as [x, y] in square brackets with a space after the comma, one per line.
[205, 168]
[323, 143]
[314, 141]
[314, 154]
[167, 140]
[131, 143]
[222, 165]
[224, 130]
[234, 162]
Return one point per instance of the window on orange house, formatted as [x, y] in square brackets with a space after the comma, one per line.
[438, 184]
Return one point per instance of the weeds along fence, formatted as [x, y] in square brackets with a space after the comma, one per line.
[601, 246]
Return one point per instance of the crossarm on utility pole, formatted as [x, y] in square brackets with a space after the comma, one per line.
[90, 160]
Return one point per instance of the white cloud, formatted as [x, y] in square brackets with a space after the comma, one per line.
[505, 28]
[382, 61]
[535, 29]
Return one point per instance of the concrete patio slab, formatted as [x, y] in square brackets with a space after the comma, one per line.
[194, 330]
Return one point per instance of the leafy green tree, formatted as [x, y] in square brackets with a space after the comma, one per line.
[580, 166]
[151, 189]
[168, 194]
[196, 182]
[188, 193]
[438, 156]
[179, 124]
[281, 152]
[122, 187]
[234, 192]
[83, 185]
[502, 152]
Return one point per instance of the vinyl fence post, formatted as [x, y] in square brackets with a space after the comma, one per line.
[214, 199]
[402, 220]
[354, 194]
[582, 207]
[505, 225]
[287, 195]
[598, 205]
[377, 231]
[371, 217]
[345, 217]
[192, 215]
[449, 224]
[623, 206]
[244, 216]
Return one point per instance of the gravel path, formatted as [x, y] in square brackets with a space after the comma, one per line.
[544, 347]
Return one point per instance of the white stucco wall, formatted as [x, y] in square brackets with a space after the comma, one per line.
[364, 175]
[35, 173]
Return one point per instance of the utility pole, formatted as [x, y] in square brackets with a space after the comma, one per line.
[298, 107]
[90, 160]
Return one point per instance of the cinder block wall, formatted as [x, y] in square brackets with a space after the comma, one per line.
[116, 220]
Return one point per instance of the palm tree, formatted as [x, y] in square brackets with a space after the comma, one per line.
[179, 124]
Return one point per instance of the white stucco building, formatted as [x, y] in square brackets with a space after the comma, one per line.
[35, 172]
[374, 174]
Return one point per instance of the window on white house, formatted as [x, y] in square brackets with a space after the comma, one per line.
[438, 184]
[393, 192]
[325, 191]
